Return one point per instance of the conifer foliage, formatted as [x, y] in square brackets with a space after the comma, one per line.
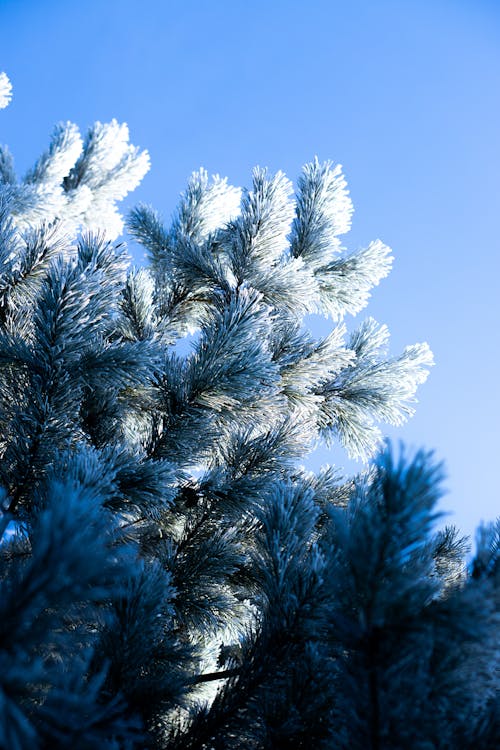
[170, 576]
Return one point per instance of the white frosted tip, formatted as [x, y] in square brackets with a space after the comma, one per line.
[5, 90]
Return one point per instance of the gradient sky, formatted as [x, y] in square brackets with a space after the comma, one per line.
[404, 94]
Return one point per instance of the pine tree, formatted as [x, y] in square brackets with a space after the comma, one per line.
[171, 576]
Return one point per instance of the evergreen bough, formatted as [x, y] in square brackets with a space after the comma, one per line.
[170, 576]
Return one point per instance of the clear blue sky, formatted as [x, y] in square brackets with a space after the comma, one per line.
[405, 94]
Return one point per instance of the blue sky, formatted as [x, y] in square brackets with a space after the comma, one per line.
[404, 94]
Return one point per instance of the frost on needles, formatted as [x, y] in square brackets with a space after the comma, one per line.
[170, 576]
